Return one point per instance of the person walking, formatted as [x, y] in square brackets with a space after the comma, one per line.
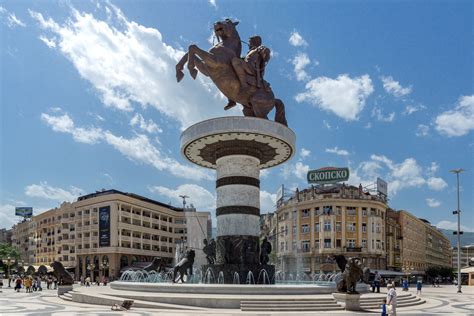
[55, 281]
[377, 279]
[392, 299]
[38, 283]
[18, 284]
[88, 281]
[82, 280]
[419, 285]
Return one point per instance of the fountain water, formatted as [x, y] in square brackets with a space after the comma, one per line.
[250, 278]
[220, 278]
[236, 279]
[263, 277]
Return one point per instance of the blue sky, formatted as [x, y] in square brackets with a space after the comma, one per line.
[89, 98]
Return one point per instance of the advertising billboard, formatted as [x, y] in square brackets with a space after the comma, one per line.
[104, 226]
[328, 175]
[24, 211]
[382, 186]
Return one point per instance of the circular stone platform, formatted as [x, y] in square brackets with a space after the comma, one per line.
[272, 143]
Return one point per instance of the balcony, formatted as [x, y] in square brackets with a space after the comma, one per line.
[353, 249]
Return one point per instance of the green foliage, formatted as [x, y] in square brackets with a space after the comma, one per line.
[8, 251]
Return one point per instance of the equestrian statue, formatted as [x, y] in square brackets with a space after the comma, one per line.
[239, 79]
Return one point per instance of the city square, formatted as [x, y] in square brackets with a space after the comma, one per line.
[312, 159]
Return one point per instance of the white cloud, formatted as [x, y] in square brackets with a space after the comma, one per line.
[337, 151]
[300, 61]
[213, 3]
[45, 191]
[433, 168]
[326, 124]
[458, 121]
[422, 130]
[149, 126]
[65, 124]
[267, 202]
[7, 216]
[432, 202]
[377, 113]
[112, 54]
[138, 148]
[453, 226]
[394, 88]
[298, 170]
[297, 40]
[344, 96]
[10, 19]
[51, 43]
[436, 184]
[201, 198]
[304, 153]
[410, 109]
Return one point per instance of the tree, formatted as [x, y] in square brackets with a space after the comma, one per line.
[7, 250]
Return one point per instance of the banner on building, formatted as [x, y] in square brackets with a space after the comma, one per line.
[104, 226]
[24, 211]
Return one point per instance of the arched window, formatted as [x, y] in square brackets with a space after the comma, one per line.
[134, 259]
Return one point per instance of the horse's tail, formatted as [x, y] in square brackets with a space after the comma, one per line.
[280, 116]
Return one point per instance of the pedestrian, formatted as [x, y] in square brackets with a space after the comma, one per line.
[418, 287]
[392, 299]
[384, 307]
[82, 280]
[55, 281]
[405, 285]
[88, 281]
[34, 286]
[27, 282]
[377, 279]
[38, 283]
[18, 284]
[105, 281]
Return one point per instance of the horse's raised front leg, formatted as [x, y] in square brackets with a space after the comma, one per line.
[206, 59]
[191, 58]
[180, 67]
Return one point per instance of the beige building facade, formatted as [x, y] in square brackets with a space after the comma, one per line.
[394, 240]
[103, 232]
[322, 221]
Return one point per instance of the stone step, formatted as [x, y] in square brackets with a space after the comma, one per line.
[291, 301]
[67, 294]
[289, 304]
[405, 304]
[399, 300]
[65, 298]
[293, 308]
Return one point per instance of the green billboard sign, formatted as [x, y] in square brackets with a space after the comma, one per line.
[328, 175]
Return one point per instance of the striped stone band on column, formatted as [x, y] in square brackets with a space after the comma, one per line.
[238, 180]
[236, 209]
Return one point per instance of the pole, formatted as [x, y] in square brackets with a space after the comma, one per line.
[458, 213]
[459, 237]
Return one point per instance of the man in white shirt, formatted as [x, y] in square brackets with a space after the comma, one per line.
[392, 299]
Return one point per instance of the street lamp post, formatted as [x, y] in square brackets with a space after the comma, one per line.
[458, 213]
[105, 265]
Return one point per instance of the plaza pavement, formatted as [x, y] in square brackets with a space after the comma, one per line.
[439, 301]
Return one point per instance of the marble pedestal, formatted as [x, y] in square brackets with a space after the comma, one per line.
[238, 148]
[64, 289]
[350, 302]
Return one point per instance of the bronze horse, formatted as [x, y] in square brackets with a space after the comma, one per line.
[217, 64]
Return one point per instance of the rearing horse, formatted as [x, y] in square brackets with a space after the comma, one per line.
[217, 64]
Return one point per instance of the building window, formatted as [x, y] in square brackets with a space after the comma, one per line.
[364, 211]
[327, 226]
[316, 227]
[338, 210]
[305, 213]
[378, 228]
[373, 229]
[305, 245]
[293, 246]
[338, 226]
[351, 227]
[294, 231]
[316, 211]
[304, 229]
[364, 227]
[327, 243]
[316, 244]
[338, 243]
[351, 210]
[364, 243]
[351, 243]
[327, 210]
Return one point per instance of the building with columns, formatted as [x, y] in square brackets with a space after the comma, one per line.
[321, 221]
[103, 232]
